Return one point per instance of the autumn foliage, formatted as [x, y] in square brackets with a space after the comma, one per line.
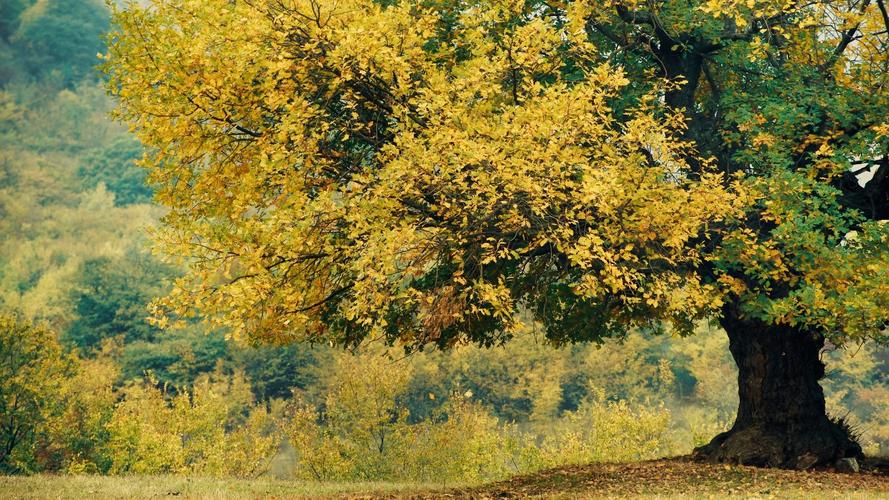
[412, 171]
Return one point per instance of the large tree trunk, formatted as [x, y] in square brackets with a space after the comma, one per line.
[781, 418]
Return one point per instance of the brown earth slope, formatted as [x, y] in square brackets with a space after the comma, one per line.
[682, 477]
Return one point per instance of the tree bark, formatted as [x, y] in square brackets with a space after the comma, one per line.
[781, 419]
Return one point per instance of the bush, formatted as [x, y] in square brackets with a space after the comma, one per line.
[74, 440]
[33, 371]
[603, 431]
[362, 431]
[214, 429]
[468, 445]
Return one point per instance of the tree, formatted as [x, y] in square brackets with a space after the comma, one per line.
[111, 298]
[63, 36]
[115, 167]
[178, 359]
[437, 173]
[9, 17]
[275, 372]
[33, 367]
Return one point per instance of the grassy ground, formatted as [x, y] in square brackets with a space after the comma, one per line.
[127, 487]
[674, 478]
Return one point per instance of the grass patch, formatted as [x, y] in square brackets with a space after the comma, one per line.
[122, 487]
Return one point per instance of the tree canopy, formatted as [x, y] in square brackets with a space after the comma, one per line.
[425, 172]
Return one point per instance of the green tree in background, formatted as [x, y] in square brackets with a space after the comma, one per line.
[111, 298]
[115, 167]
[61, 36]
[10, 10]
[275, 372]
[178, 358]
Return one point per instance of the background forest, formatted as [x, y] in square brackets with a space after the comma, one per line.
[88, 385]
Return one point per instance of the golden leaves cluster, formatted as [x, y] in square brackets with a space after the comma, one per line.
[337, 169]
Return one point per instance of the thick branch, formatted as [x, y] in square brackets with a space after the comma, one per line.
[885, 14]
[634, 17]
[848, 37]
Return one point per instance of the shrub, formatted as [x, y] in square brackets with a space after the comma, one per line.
[33, 369]
[604, 431]
[75, 439]
[215, 429]
[360, 430]
[469, 445]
